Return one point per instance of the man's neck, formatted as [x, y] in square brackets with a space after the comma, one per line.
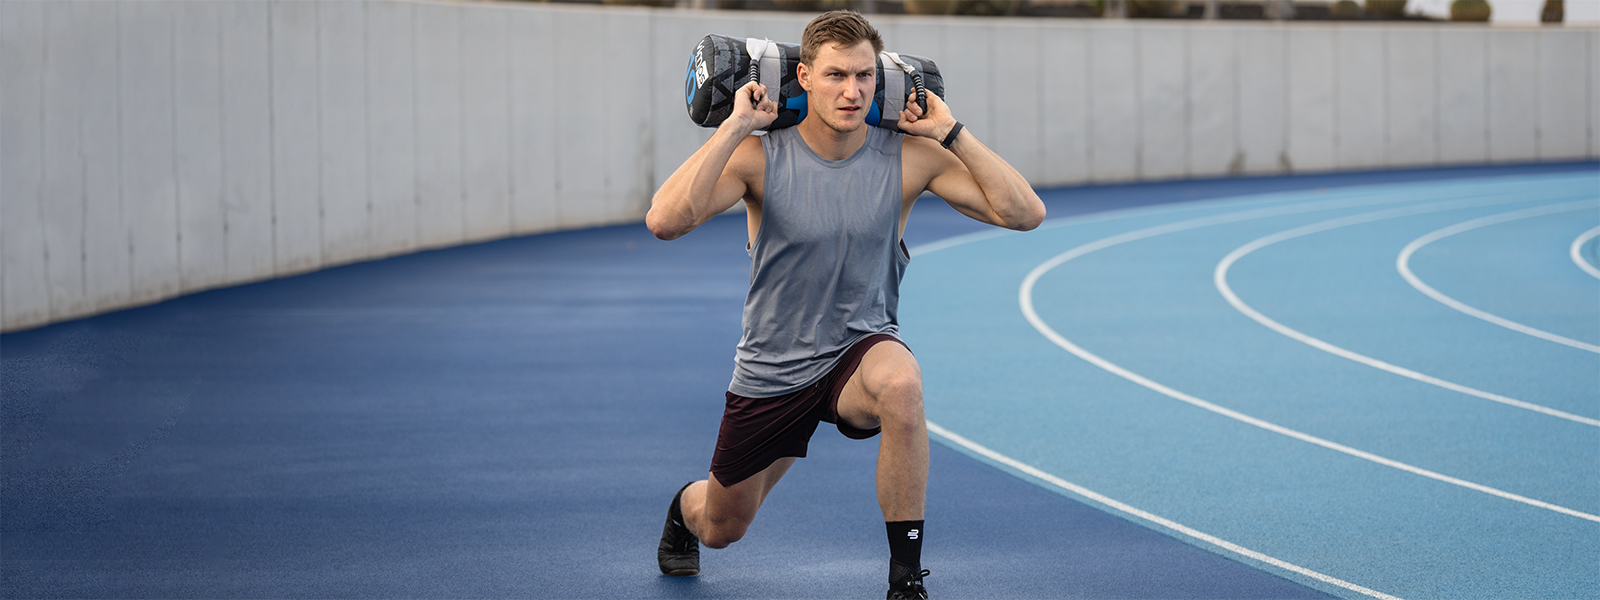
[829, 143]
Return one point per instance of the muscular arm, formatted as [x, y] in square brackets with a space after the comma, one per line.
[969, 176]
[720, 173]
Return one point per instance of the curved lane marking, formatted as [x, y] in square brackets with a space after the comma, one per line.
[1220, 278]
[1025, 300]
[1129, 509]
[1403, 264]
[1577, 252]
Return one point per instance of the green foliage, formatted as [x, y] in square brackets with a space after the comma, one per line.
[1386, 9]
[1470, 10]
[1345, 10]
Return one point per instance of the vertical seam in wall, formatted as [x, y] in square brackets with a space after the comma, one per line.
[462, 201]
[416, 139]
[1438, 99]
[1334, 97]
[556, 187]
[1138, 103]
[1538, 97]
[1388, 118]
[316, 70]
[1188, 103]
[1088, 96]
[272, 138]
[40, 190]
[177, 182]
[510, 131]
[366, 131]
[122, 213]
[222, 146]
[1488, 96]
[1039, 165]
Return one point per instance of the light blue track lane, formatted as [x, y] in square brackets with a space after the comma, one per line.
[1521, 271]
[1150, 305]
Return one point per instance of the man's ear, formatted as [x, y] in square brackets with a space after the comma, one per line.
[803, 75]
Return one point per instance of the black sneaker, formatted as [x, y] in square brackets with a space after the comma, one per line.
[679, 552]
[906, 584]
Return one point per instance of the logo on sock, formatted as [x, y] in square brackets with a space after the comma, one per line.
[912, 534]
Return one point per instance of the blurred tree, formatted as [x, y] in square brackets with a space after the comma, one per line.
[1555, 11]
[1471, 10]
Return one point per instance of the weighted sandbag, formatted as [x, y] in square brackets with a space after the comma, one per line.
[721, 65]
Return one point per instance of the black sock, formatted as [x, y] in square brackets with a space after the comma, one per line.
[905, 546]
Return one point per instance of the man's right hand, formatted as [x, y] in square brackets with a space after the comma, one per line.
[752, 109]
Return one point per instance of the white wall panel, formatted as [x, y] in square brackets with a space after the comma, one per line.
[342, 145]
[1213, 103]
[1360, 111]
[968, 69]
[1564, 113]
[247, 148]
[533, 118]
[1412, 102]
[1064, 105]
[68, 60]
[1262, 94]
[1463, 112]
[149, 196]
[391, 127]
[1016, 109]
[1163, 102]
[106, 248]
[1311, 99]
[440, 214]
[922, 36]
[1113, 103]
[296, 172]
[626, 128]
[24, 288]
[197, 95]
[581, 162]
[1513, 95]
[486, 122]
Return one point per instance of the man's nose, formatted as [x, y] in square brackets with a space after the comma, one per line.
[853, 90]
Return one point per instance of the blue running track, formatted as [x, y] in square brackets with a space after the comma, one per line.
[1287, 387]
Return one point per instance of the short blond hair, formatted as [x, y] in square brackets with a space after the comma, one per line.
[843, 28]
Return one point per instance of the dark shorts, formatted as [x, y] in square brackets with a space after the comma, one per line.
[756, 432]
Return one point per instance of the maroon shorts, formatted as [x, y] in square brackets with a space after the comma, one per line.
[756, 432]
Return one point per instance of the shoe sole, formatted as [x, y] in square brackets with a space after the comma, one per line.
[681, 572]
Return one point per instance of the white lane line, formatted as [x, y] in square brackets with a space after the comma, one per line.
[1577, 252]
[1220, 278]
[1128, 509]
[1025, 299]
[1403, 263]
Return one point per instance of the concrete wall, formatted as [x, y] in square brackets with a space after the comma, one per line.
[154, 148]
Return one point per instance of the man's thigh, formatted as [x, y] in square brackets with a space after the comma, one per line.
[886, 369]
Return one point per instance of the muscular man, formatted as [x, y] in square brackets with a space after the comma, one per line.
[827, 202]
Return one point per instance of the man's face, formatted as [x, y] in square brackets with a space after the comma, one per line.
[839, 84]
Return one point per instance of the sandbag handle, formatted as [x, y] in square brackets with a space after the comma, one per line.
[916, 80]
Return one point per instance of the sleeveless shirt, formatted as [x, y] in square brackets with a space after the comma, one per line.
[826, 262]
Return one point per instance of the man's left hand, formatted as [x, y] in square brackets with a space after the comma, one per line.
[934, 125]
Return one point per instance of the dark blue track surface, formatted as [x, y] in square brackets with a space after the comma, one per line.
[507, 419]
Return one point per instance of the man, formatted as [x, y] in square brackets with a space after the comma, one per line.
[827, 202]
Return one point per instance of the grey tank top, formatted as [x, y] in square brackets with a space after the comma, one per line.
[826, 264]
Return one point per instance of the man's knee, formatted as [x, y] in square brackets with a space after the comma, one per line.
[724, 531]
[899, 399]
